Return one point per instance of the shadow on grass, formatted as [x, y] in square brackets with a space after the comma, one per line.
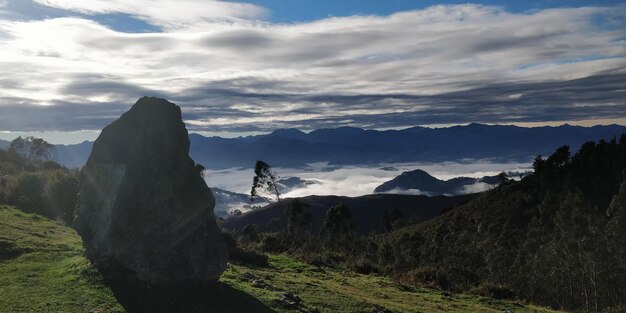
[218, 297]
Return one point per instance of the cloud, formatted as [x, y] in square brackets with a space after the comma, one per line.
[477, 187]
[351, 181]
[233, 73]
[414, 192]
[170, 14]
[357, 181]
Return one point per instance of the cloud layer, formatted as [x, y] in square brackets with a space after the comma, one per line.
[171, 15]
[356, 181]
[233, 72]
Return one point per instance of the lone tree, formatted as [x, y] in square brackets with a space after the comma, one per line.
[299, 219]
[339, 228]
[264, 182]
[392, 220]
[31, 148]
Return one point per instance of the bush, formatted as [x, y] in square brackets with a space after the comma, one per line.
[52, 193]
[241, 255]
[33, 183]
[26, 191]
[496, 291]
[61, 193]
[364, 266]
[425, 276]
[272, 242]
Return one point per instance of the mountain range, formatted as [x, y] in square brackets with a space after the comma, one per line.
[356, 146]
[351, 146]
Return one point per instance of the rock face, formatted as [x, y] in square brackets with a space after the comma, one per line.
[144, 209]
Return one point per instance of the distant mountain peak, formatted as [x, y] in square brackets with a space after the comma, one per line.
[420, 180]
[288, 133]
[417, 172]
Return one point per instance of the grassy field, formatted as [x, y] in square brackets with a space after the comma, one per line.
[42, 270]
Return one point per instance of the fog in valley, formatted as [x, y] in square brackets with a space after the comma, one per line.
[352, 181]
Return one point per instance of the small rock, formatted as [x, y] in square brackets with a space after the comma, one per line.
[249, 276]
[258, 283]
[289, 300]
[381, 309]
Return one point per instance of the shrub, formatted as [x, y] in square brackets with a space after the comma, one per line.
[241, 255]
[61, 193]
[496, 291]
[272, 242]
[52, 193]
[425, 276]
[26, 191]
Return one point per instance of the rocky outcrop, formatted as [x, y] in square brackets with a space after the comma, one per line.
[144, 209]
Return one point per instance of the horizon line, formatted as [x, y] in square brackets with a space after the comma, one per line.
[81, 136]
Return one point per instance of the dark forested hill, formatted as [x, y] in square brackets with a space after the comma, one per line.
[368, 211]
[556, 237]
[346, 145]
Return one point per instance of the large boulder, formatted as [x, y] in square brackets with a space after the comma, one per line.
[144, 210]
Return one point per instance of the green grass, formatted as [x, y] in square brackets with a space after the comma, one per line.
[331, 290]
[42, 270]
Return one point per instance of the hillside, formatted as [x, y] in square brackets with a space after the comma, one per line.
[368, 211]
[422, 182]
[554, 238]
[352, 146]
[42, 270]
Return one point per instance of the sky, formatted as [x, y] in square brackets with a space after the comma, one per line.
[69, 68]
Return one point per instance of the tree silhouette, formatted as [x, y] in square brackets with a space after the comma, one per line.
[339, 228]
[298, 220]
[264, 182]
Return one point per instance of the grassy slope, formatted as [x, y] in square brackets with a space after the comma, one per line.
[336, 291]
[42, 270]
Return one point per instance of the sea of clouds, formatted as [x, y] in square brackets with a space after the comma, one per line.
[356, 181]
